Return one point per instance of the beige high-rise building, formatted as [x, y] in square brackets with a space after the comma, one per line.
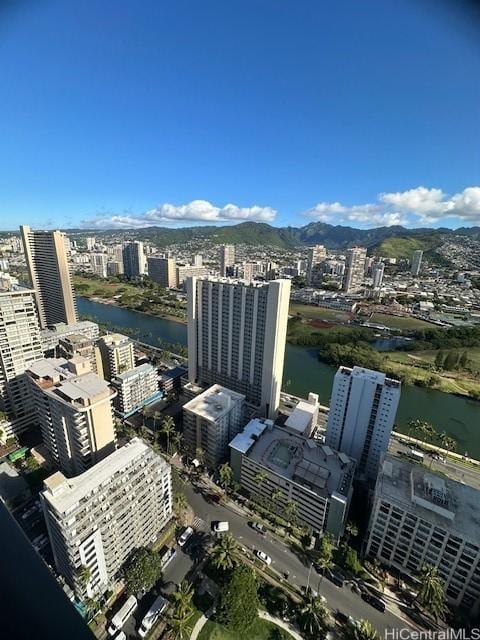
[74, 408]
[77, 344]
[162, 271]
[20, 346]
[117, 354]
[354, 269]
[227, 258]
[133, 259]
[98, 263]
[46, 258]
[317, 254]
[99, 518]
[236, 336]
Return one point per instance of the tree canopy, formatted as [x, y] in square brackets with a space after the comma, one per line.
[143, 571]
[239, 601]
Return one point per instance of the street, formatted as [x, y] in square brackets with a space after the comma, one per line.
[283, 559]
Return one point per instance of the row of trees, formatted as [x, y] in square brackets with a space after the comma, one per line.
[451, 360]
[423, 430]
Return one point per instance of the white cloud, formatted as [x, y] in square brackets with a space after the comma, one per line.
[414, 207]
[195, 211]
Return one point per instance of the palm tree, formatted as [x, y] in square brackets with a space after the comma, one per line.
[291, 513]
[224, 552]
[431, 595]
[351, 531]
[83, 574]
[156, 416]
[181, 504]
[313, 618]
[178, 625]
[177, 441]
[168, 428]
[260, 478]
[325, 563]
[182, 597]
[226, 476]
[361, 630]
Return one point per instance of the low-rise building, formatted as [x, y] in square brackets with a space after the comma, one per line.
[51, 336]
[99, 518]
[295, 475]
[423, 518]
[78, 344]
[135, 389]
[211, 420]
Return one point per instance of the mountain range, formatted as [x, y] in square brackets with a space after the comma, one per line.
[395, 241]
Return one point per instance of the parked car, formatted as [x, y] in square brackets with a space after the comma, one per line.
[263, 557]
[220, 527]
[187, 533]
[258, 527]
[337, 578]
[377, 603]
[340, 616]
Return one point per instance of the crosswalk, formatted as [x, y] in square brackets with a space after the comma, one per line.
[199, 525]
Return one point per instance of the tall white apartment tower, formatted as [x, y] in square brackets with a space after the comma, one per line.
[20, 346]
[74, 408]
[46, 257]
[378, 269]
[100, 517]
[236, 336]
[227, 258]
[354, 269]
[133, 259]
[317, 254]
[362, 413]
[117, 354]
[416, 262]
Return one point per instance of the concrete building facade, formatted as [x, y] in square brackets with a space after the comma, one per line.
[378, 269]
[354, 269]
[419, 518]
[295, 475]
[77, 344]
[20, 346]
[135, 388]
[211, 420]
[74, 409]
[49, 271]
[99, 518]
[162, 271]
[236, 336]
[51, 337]
[417, 257]
[227, 258]
[117, 354]
[362, 414]
[133, 259]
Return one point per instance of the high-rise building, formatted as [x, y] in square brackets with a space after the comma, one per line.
[46, 257]
[77, 344]
[162, 271]
[378, 269]
[135, 388]
[51, 337]
[185, 271]
[20, 346]
[114, 268]
[422, 518]
[316, 255]
[117, 354]
[90, 241]
[354, 269]
[98, 262]
[74, 408]
[236, 336]
[362, 413]
[198, 260]
[227, 258]
[211, 420]
[99, 518]
[133, 259]
[416, 262]
[295, 469]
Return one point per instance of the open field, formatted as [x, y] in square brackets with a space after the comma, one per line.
[101, 288]
[311, 312]
[398, 322]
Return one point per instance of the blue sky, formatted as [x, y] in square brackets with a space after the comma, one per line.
[126, 113]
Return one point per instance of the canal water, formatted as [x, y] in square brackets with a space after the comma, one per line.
[303, 372]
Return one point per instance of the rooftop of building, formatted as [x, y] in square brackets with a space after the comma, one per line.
[300, 459]
[141, 370]
[63, 493]
[63, 327]
[114, 339]
[175, 372]
[69, 380]
[370, 374]
[77, 339]
[258, 284]
[214, 403]
[9, 285]
[303, 414]
[435, 497]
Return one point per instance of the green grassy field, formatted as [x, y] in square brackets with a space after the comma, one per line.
[262, 630]
[396, 322]
[103, 289]
[311, 312]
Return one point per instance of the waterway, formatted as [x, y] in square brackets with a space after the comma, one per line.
[303, 372]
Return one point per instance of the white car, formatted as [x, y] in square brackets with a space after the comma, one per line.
[263, 557]
[185, 536]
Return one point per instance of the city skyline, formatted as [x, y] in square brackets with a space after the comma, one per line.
[347, 114]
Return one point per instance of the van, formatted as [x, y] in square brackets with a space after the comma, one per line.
[220, 527]
[152, 616]
[182, 540]
[122, 616]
